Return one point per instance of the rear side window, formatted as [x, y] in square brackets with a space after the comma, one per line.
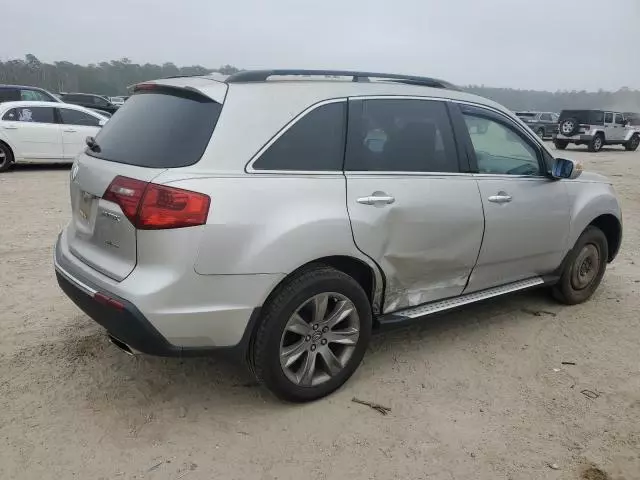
[314, 142]
[545, 117]
[31, 115]
[159, 128]
[400, 135]
[9, 95]
[608, 117]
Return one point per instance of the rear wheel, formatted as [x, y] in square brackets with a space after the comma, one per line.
[633, 143]
[6, 157]
[584, 268]
[596, 143]
[560, 144]
[313, 334]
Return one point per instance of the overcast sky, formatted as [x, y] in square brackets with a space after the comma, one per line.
[537, 44]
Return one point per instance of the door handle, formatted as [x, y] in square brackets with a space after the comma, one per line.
[70, 130]
[501, 197]
[376, 199]
[10, 127]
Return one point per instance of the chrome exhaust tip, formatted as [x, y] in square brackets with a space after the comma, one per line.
[121, 345]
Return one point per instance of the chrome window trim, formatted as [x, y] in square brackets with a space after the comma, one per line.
[249, 167]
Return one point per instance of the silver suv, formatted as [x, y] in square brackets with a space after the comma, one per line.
[596, 128]
[284, 215]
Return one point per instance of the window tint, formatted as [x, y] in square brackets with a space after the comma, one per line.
[34, 96]
[160, 128]
[11, 115]
[619, 118]
[313, 143]
[9, 95]
[499, 149]
[545, 117]
[608, 117]
[31, 114]
[401, 135]
[74, 117]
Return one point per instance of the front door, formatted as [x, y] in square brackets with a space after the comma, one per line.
[411, 209]
[76, 127]
[526, 212]
[618, 128]
[34, 133]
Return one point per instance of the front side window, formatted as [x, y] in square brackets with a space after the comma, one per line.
[74, 117]
[608, 117]
[499, 149]
[30, 115]
[100, 102]
[619, 119]
[400, 135]
[314, 142]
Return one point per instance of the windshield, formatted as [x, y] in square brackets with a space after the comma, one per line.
[159, 128]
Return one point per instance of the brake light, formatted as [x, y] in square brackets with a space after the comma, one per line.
[149, 206]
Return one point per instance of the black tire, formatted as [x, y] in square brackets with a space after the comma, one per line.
[574, 285]
[277, 312]
[633, 143]
[569, 126]
[596, 143]
[540, 132]
[560, 144]
[6, 157]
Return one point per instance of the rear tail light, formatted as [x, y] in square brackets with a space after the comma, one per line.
[149, 206]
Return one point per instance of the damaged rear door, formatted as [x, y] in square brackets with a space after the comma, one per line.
[412, 208]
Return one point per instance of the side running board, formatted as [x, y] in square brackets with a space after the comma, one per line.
[425, 309]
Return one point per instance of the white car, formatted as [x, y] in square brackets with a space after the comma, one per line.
[44, 132]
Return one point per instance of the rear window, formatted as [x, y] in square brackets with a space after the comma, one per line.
[160, 128]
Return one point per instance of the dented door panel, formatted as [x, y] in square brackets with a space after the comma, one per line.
[426, 241]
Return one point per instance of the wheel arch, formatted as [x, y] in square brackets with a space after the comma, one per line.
[11, 149]
[612, 229]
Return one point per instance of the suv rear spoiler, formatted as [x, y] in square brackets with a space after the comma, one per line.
[213, 89]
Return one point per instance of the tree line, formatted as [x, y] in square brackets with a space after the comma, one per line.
[113, 78]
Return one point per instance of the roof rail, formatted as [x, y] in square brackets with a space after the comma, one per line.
[249, 76]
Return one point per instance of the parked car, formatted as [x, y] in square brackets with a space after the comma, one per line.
[595, 128]
[119, 101]
[632, 118]
[89, 100]
[14, 93]
[544, 124]
[44, 132]
[271, 231]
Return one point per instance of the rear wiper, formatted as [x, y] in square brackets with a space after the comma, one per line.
[91, 143]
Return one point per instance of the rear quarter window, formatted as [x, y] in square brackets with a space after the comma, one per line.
[159, 128]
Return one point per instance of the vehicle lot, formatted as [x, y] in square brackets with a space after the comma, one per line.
[480, 393]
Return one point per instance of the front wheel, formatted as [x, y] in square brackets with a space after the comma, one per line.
[584, 268]
[313, 334]
[560, 144]
[633, 143]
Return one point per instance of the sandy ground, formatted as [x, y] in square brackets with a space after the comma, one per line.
[477, 394]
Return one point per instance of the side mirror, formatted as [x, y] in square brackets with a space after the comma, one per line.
[564, 168]
[102, 123]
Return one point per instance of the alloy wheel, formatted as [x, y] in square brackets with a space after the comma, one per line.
[319, 339]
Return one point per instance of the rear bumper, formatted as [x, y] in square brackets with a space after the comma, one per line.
[162, 321]
[573, 138]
